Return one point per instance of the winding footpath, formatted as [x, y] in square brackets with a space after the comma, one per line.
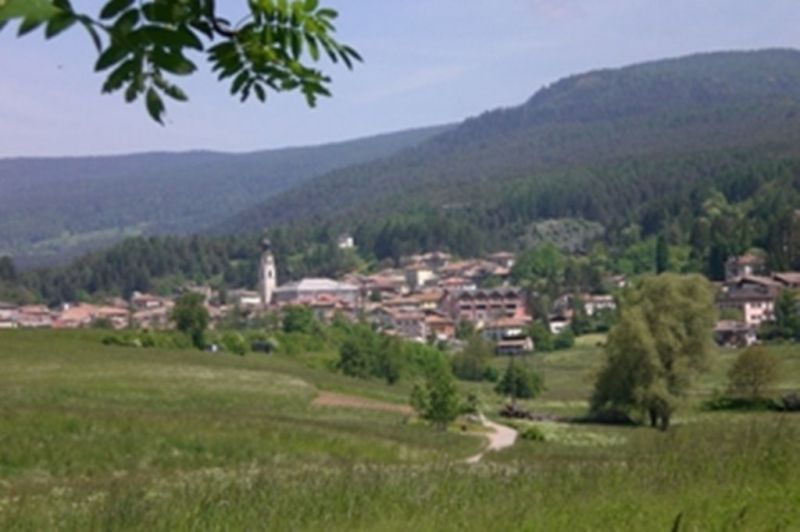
[501, 437]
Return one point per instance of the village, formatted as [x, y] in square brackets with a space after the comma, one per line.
[425, 299]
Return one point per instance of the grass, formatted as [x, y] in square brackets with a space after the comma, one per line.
[95, 437]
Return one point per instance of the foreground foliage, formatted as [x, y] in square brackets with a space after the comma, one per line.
[141, 44]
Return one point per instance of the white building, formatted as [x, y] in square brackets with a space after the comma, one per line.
[346, 242]
[313, 288]
[267, 277]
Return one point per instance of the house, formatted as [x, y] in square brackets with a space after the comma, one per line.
[419, 275]
[504, 259]
[509, 335]
[384, 284]
[483, 305]
[140, 301]
[325, 307]
[559, 322]
[312, 288]
[75, 316]
[593, 304]
[247, 299]
[430, 299]
[8, 316]
[153, 318]
[788, 279]
[754, 296]
[407, 303]
[731, 333]
[440, 327]
[744, 266]
[346, 241]
[411, 325]
[34, 316]
[453, 284]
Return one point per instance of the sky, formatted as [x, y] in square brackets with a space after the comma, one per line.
[427, 62]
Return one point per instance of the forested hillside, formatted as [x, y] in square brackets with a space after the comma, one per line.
[585, 126]
[699, 155]
[59, 207]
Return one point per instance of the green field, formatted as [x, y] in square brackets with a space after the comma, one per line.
[96, 437]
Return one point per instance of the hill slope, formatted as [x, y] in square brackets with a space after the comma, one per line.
[65, 205]
[673, 108]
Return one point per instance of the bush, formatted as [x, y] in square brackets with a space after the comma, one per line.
[472, 363]
[532, 434]
[755, 370]
[298, 319]
[564, 340]
[519, 382]
[739, 404]
[234, 343]
[541, 336]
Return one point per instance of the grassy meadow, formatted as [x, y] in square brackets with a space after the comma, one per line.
[101, 437]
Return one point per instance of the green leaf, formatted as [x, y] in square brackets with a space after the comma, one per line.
[98, 44]
[126, 22]
[59, 23]
[120, 75]
[261, 94]
[327, 13]
[352, 53]
[297, 43]
[162, 12]
[239, 81]
[188, 38]
[131, 92]
[175, 92]
[311, 5]
[114, 8]
[161, 36]
[63, 5]
[173, 62]
[155, 106]
[110, 57]
[28, 25]
[27, 9]
[313, 48]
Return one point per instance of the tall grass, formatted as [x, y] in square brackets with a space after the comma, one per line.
[740, 477]
[95, 437]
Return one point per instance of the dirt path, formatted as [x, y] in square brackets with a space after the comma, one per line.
[353, 401]
[500, 438]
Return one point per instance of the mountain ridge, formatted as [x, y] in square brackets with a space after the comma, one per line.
[718, 100]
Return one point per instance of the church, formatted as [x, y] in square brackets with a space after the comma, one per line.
[303, 291]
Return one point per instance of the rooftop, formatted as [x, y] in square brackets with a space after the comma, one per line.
[317, 284]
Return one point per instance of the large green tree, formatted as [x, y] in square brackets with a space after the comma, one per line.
[143, 45]
[661, 339]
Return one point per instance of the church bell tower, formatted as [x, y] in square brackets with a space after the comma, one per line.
[267, 278]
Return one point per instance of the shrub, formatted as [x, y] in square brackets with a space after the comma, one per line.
[532, 434]
[755, 370]
[564, 340]
[519, 382]
[472, 363]
[234, 343]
